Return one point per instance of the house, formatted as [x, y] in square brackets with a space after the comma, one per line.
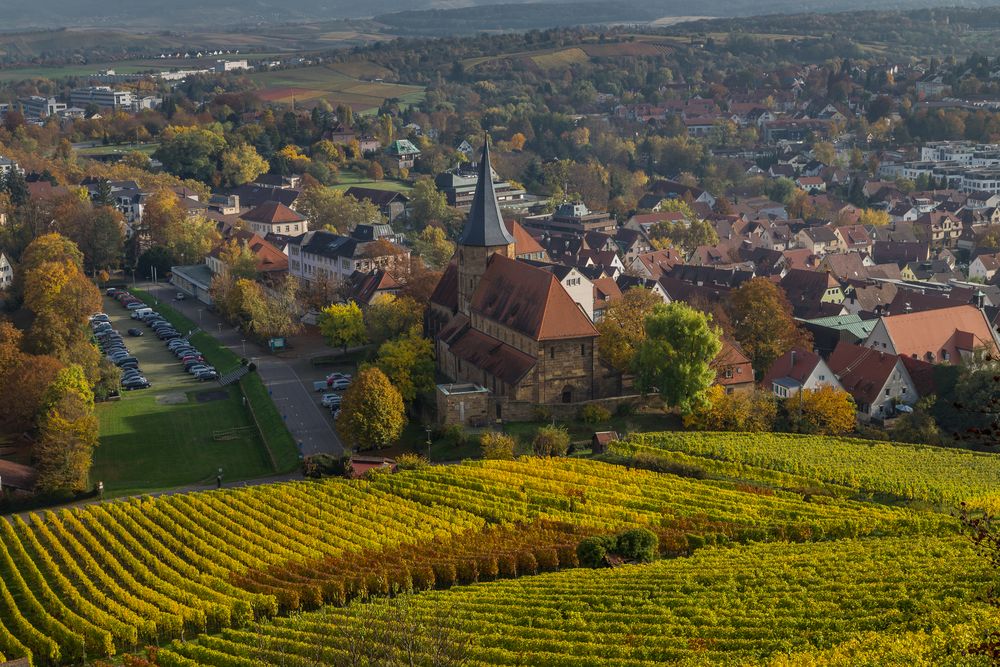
[809, 291]
[811, 183]
[733, 370]
[7, 166]
[508, 334]
[878, 381]
[939, 228]
[391, 204]
[323, 255]
[656, 263]
[270, 260]
[984, 267]
[900, 252]
[818, 240]
[6, 272]
[572, 218]
[828, 332]
[606, 291]
[273, 217]
[942, 335]
[600, 441]
[664, 189]
[363, 287]
[854, 238]
[846, 266]
[798, 370]
[404, 152]
[459, 186]
[251, 195]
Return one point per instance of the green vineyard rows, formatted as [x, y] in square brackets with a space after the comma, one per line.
[937, 475]
[767, 603]
[99, 580]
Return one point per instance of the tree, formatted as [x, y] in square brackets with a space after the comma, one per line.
[270, 313]
[343, 325]
[371, 413]
[375, 171]
[242, 164]
[676, 356]
[24, 379]
[551, 441]
[190, 152]
[763, 323]
[823, 411]
[238, 258]
[918, 426]
[750, 411]
[497, 446]
[330, 209]
[389, 316]
[623, 328]
[102, 246]
[434, 247]
[193, 239]
[408, 362]
[825, 152]
[872, 216]
[427, 203]
[68, 430]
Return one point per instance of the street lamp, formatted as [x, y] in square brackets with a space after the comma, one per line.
[199, 314]
[244, 342]
[428, 429]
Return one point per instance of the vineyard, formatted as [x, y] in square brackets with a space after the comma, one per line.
[937, 475]
[760, 604]
[104, 579]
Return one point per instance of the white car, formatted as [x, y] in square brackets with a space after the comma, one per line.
[340, 384]
[333, 377]
[330, 400]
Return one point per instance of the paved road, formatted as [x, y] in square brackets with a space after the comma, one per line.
[308, 422]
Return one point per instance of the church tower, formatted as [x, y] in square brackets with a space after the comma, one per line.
[483, 235]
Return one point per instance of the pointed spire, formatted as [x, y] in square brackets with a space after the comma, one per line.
[484, 226]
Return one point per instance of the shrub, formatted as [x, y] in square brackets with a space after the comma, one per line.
[591, 551]
[541, 413]
[454, 435]
[695, 542]
[324, 465]
[551, 441]
[594, 414]
[506, 565]
[526, 564]
[498, 446]
[547, 559]
[411, 462]
[625, 409]
[638, 544]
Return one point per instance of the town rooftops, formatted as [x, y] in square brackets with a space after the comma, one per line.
[926, 334]
[272, 213]
[862, 371]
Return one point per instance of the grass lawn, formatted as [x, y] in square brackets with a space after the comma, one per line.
[346, 179]
[169, 435]
[124, 149]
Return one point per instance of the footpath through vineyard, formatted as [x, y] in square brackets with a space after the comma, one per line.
[95, 581]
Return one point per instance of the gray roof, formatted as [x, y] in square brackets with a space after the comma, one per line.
[484, 226]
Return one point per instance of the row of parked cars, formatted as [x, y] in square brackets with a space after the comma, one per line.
[112, 345]
[194, 362]
[338, 382]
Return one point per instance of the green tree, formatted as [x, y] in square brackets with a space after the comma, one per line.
[371, 413]
[239, 260]
[102, 247]
[623, 328]
[497, 446]
[427, 203]
[551, 441]
[64, 450]
[192, 240]
[389, 316]
[433, 247]
[408, 362]
[330, 209]
[343, 325]
[676, 356]
[270, 313]
[190, 152]
[763, 322]
[242, 164]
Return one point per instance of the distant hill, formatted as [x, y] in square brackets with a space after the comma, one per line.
[410, 16]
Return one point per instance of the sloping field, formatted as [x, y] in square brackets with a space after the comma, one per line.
[309, 84]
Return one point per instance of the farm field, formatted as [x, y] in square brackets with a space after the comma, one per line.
[308, 84]
[484, 555]
[179, 431]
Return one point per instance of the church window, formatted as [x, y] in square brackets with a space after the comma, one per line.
[583, 350]
[552, 353]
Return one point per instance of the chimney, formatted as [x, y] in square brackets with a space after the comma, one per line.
[793, 358]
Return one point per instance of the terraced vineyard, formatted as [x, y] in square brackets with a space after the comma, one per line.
[937, 475]
[876, 601]
[96, 581]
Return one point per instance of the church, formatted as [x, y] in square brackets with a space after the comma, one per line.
[507, 334]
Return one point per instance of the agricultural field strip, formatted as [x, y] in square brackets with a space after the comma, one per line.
[742, 604]
[919, 472]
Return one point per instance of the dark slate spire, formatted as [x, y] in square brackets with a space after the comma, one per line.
[484, 226]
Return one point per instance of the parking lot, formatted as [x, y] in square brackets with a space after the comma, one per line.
[177, 432]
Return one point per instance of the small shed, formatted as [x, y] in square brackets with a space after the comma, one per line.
[599, 443]
[362, 464]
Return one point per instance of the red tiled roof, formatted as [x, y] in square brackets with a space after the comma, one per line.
[731, 356]
[805, 362]
[955, 329]
[446, 292]
[493, 356]
[529, 300]
[861, 370]
[524, 243]
[272, 213]
[606, 290]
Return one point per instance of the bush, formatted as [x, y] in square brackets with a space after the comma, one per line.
[594, 414]
[454, 435]
[411, 462]
[638, 544]
[551, 441]
[324, 465]
[625, 409]
[591, 551]
[497, 446]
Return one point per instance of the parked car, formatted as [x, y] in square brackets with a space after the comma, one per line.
[128, 359]
[135, 332]
[181, 296]
[197, 368]
[206, 376]
[340, 385]
[136, 384]
[333, 377]
[331, 400]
